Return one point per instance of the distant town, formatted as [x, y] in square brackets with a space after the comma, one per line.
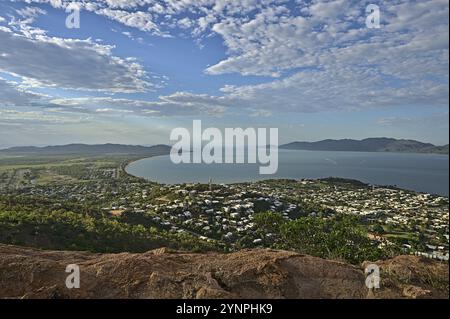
[223, 215]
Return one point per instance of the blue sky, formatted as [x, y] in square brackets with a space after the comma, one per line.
[136, 69]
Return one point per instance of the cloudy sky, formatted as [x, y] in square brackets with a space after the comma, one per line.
[135, 69]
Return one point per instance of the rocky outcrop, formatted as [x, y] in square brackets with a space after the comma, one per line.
[259, 273]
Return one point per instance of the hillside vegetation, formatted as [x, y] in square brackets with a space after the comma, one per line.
[368, 145]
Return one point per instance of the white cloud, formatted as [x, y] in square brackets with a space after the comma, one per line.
[31, 12]
[185, 23]
[438, 119]
[12, 95]
[320, 53]
[177, 104]
[70, 63]
[12, 116]
[335, 89]
[140, 20]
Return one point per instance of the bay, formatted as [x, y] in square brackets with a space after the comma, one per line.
[428, 173]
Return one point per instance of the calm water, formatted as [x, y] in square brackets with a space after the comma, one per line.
[420, 172]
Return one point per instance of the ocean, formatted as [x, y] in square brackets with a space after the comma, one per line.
[426, 173]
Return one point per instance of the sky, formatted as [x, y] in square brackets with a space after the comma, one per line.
[136, 69]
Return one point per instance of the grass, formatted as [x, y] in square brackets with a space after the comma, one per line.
[47, 177]
[45, 166]
[99, 164]
[402, 235]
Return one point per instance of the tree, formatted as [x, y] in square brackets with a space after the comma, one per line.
[378, 229]
[269, 222]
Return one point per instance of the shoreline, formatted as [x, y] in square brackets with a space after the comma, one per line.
[126, 163]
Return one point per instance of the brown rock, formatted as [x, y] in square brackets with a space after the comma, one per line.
[415, 292]
[259, 273]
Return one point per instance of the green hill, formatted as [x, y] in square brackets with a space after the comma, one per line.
[382, 144]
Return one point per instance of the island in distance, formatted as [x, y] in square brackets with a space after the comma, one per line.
[381, 144]
[280, 238]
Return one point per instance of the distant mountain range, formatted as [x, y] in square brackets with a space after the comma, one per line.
[381, 144]
[89, 149]
[367, 145]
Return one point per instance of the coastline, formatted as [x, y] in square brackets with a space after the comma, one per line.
[125, 164]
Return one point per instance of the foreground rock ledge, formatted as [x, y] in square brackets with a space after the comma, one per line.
[257, 273]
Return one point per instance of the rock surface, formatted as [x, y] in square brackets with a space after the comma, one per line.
[258, 273]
